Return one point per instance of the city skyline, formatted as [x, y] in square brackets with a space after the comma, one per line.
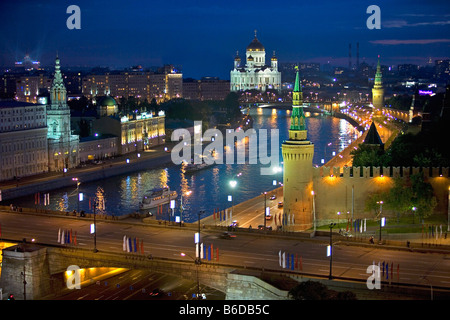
[203, 37]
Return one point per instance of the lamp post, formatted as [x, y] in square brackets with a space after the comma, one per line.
[332, 225]
[314, 210]
[196, 266]
[339, 224]
[233, 184]
[95, 230]
[199, 259]
[264, 211]
[78, 193]
[381, 209]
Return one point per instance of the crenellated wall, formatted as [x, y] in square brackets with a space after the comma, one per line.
[347, 191]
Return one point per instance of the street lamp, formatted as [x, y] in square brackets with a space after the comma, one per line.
[199, 261]
[339, 224]
[78, 193]
[233, 184]
[332, 225]
[381, 219]
[95, 229]
[314, 210]
[196, 266]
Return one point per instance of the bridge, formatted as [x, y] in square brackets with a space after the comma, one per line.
[38, 271]
[45, 266]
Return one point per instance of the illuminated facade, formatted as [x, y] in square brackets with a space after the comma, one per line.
[255, 74]
[62, 145]
[135, 132]
[161, 86]
[23, 139]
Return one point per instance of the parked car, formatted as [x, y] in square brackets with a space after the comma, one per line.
[280, 204]
[273, 197]
[261, 227]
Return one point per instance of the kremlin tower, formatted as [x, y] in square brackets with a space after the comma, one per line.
[378, 91]
[298, 155]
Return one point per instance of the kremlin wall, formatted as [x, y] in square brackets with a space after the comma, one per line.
[347, 192]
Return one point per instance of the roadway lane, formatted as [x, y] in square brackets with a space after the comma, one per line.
[250, 250]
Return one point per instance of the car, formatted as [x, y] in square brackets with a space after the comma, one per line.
[235, 223]
[261, 227]
[273, 197]
[156, 293]
[227, 235]
[280, 204]
[268, 217]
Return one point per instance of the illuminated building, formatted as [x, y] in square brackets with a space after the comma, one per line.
[23, 139]
[137, 132]
[255, 74]
[163, 85]
[62, 145]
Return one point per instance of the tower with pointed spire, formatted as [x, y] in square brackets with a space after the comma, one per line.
[62, 145]
[378, 90]
[298, 155]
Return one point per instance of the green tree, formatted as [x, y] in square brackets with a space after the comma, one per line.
[368, 156]
[422, 196]
[398, 198]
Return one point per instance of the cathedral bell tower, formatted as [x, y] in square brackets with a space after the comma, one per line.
[62, 145]
[297, 154]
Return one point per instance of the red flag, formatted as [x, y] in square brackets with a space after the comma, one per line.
[300, 266]
[296, 262]
[75, 239]
[142, 246]
[217, 254]
[214, 214]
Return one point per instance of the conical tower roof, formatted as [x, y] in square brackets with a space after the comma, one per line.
[373, 137]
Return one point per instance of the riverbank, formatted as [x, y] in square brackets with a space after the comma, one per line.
[46, 182]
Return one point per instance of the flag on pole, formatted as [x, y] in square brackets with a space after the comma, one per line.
[284, 260]
[279, 258]
[124, 243]
[292, 261]
[59, 235]
[142, 246]
[300, 264]
[217, 254]
[75, 239]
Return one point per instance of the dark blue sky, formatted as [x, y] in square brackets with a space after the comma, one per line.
[203, 36]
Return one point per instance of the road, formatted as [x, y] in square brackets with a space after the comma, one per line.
[255, 249]
[140, 285]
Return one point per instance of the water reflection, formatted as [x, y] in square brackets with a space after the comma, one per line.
[206, 189]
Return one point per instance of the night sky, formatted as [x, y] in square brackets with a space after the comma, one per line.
[203, 36]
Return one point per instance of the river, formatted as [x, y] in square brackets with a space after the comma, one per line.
[209, 188]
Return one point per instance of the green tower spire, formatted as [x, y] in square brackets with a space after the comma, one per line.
[298, 116]
[378, 81]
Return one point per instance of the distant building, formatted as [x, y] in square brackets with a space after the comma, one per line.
[23, 139]
[135, 132]
[208, 88]
[163, 85]
[255, 74]
[29, 87]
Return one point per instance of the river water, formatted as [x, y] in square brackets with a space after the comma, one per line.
[209, 188]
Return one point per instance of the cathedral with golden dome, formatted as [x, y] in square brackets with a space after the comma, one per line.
[255, 74]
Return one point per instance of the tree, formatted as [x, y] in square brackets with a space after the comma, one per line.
[422, 196]
[398, 198]
[368, 156]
